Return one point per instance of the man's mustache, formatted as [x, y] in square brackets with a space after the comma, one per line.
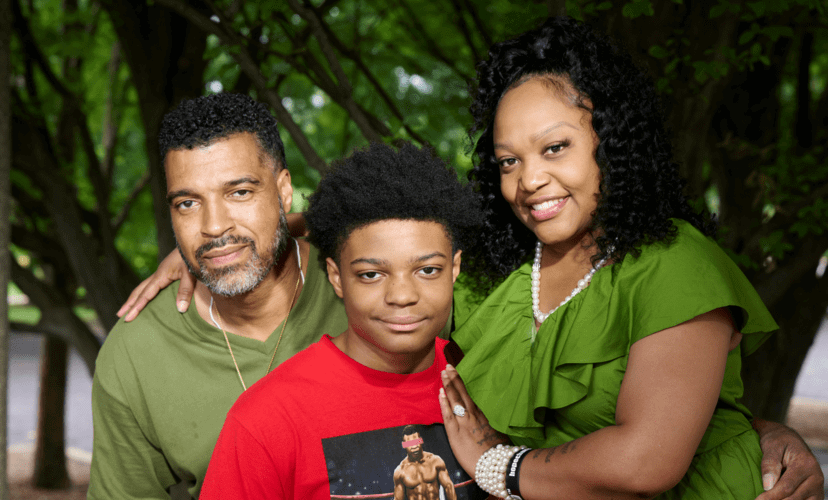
[220, 242]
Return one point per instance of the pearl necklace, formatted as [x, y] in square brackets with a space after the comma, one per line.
[582, 283]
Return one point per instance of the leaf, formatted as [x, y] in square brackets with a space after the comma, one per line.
[658, 52]
[758, 8]
[638, 8]
[718, 11]
[746, 37]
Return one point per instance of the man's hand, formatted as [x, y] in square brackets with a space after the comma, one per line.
[789, 469]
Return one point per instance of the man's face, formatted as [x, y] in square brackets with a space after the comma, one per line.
[396, 279]
[413, 444]
[227, 209]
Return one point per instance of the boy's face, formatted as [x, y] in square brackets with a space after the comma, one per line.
[396, 278]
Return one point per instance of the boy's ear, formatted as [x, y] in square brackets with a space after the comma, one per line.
[333, 276]
[455, 266]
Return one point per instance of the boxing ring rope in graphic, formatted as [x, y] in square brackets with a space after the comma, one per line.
[387, 495]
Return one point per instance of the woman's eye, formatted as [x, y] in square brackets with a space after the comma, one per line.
[505, 163]
[558, 147]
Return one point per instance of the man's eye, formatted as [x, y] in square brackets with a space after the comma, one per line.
[241, 193]
[369, 275]
[185, 204]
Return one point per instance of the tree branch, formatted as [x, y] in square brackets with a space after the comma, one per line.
[373, 130]
[133, 195]
[360, 64]
[415, 26]
[464, 28]
[482, 30]
[242, 57]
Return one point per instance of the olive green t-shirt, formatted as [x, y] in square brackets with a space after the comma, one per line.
[164, 382]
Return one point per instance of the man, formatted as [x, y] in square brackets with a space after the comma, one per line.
[391, 226]
[420, 474]
[164, 382]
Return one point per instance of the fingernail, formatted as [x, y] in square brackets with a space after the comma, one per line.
[181, 306]
[442, 392]
[767, 481]
[449, 367]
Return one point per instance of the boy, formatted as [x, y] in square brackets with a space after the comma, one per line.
[390, 226]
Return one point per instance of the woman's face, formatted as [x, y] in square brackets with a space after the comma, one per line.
[544, 145]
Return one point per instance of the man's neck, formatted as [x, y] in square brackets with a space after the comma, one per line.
[256, 314]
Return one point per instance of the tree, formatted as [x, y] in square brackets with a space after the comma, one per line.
[5, 226]
[739, 76]
[743, 85]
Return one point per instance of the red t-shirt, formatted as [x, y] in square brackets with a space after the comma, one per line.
[323, 426]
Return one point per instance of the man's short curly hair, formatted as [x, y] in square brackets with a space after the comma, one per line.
[203, 120]
[640, 187]
[380, 183]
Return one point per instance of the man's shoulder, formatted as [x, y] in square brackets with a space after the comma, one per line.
[150, 327]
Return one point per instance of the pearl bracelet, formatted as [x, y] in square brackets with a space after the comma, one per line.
[490, 471]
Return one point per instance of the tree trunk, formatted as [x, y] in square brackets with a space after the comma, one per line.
[50, 456]
[162, 79]
[5, 228]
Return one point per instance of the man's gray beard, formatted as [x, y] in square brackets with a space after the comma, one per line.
[238, 279]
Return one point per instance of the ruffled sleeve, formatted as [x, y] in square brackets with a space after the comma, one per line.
[518, 376]
[670, 284]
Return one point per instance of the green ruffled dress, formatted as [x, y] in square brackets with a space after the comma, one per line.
[549, 387]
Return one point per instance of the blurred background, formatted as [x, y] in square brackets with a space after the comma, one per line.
[743, 84]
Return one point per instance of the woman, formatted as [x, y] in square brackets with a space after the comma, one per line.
[613, 347]
[611, 203]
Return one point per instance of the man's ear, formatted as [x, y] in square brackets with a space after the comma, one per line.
[455, 266]
[334, 277]
[285, 188]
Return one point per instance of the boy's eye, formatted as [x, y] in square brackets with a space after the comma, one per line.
[430, 270]
[369, 275]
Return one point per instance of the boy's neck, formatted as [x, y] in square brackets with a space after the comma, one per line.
[372, 357]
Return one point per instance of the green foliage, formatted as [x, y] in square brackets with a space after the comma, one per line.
[407, 65]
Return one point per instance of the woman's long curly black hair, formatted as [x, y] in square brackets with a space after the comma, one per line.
[640, 186]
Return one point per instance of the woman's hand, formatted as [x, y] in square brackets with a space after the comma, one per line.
[470, 435]
[172, 268]
[789, 469]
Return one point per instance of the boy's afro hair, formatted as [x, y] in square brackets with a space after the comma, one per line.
[381, 183]
[203, 120]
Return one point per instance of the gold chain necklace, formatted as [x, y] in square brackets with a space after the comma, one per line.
[278, 342]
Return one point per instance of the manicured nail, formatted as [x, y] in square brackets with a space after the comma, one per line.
[767, 481]
[181, 306]
[449, 367]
